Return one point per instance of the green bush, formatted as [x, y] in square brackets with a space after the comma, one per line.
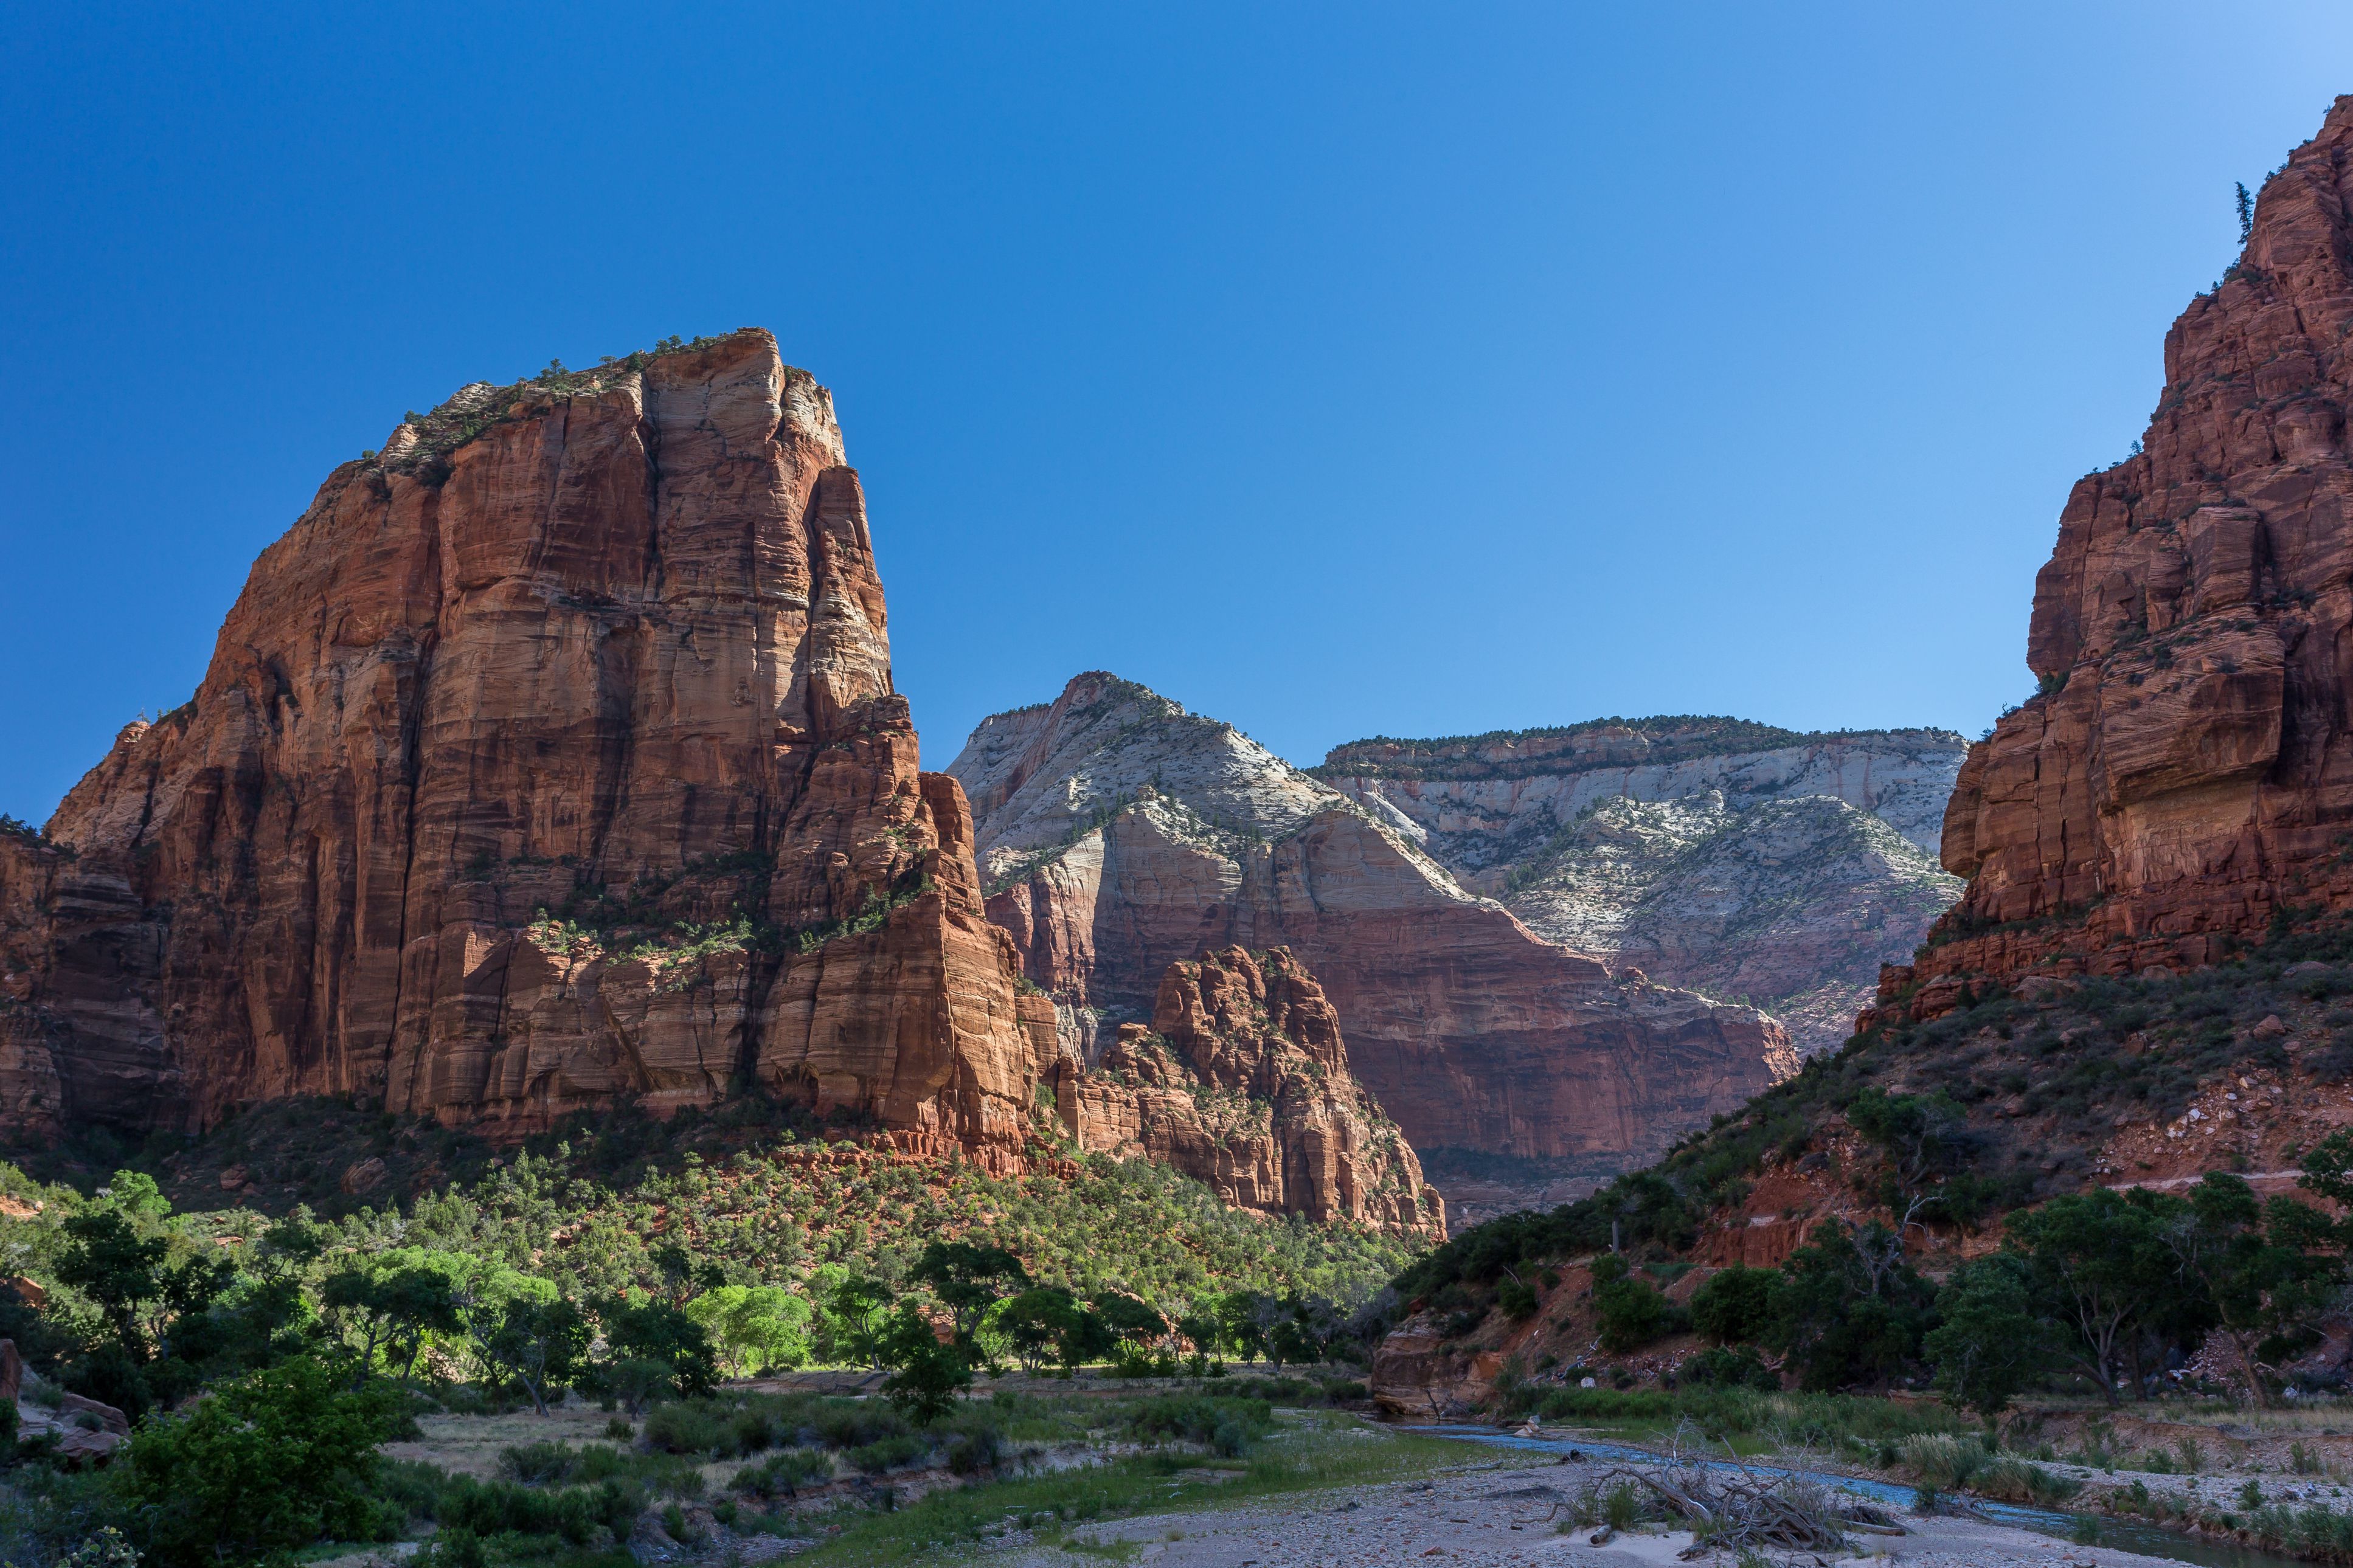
[577, 1514]
[1735, 1306]
[1201, 1419]
[270, 1463]
[785, 1473]
[888, 1454]
[1728, 1368]
[1632, 1314]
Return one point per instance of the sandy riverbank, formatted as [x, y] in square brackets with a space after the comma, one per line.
[1507, 1515]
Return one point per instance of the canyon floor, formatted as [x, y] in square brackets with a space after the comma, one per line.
[1487, 1513]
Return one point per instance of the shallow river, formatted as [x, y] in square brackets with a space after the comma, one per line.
[2129, 1534]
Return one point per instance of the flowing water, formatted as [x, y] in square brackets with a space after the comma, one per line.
[2126, 1535]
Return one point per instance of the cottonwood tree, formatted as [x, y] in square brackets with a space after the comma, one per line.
[2098, 1266]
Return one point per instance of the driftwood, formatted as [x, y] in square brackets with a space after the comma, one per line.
[1742, 1510]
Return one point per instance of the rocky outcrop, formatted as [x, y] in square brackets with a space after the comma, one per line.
[1120, 834]
[550, 757]
[1242, 1083]
[2185, 771]
[1749, 863]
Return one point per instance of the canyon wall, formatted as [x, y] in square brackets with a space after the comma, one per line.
[1753, 864]
[552, 756]
[2184, 772]
[1120, 834]
[1242, 1083]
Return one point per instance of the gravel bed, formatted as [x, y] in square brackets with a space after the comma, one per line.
[1493, 1517]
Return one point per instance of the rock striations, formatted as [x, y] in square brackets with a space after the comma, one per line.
[1749, 863]
[550, 757]
[2185, 772]
[1121, 834]
[1242, 1083]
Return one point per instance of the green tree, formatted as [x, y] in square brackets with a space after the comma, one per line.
[390, 1313]
[274, 1462]
[756, 1327]
[135, 1196]
[854, 1319]
[1042, 1324]
[1990, 1343]
[120, 1270]
[1850, 1309]
[2098, 1267]
[1631, 1313]
[1134, 1324]
[539, 1344]
[673, 1343]
[1206, 1329]
[969, 1278]
[2267, 1269]
[1243, 1319]
[927, 1375]
[1735, 1306]
[1926, 1141]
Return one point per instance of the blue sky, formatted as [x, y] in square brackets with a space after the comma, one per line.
[1334, 370]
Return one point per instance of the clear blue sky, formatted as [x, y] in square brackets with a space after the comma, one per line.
[1334, 370]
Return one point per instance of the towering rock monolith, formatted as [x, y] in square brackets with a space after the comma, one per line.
[2184, 772]
[551, 758]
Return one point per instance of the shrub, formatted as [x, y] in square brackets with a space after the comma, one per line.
[1632, 1314]
[1735, 1306]
[537, 1464]
[1730, 1369]
[576, 1514]
[269, 1464]
[888, 1454]
[785, 1473]
[1226, 1425]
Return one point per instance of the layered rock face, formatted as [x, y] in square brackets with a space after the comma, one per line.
[1242, 1083]
[550, 757]
[1749, 863]
[2186, 770]
[1121, 834]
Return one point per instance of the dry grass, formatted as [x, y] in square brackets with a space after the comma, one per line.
[470, 1445]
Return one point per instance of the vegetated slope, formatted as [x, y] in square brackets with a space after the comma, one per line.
[1748, 862]
[2010, 1100]
[758, 1190]
[551, 758]
[2186, 767]
[1242, 1083]
[1120, 834]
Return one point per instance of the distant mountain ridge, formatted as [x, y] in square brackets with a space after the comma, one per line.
[1751, 863]
[1118, 834]
[1665, 738]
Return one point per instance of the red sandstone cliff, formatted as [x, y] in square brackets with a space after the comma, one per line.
[1122, 834]
[2187, 769]
[609, 645]
[1242, 1083]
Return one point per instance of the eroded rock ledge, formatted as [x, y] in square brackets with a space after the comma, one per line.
[1242, 1083]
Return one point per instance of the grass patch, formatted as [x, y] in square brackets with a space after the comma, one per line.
[1750, 1420]
[1313, 1452]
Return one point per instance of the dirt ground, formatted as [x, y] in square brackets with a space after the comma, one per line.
[1493, 1518]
